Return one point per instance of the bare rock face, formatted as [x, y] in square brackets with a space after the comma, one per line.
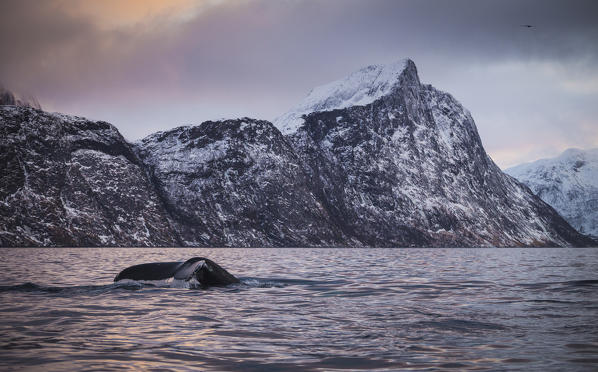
[67, 181]
[9, 98]
[236, 183]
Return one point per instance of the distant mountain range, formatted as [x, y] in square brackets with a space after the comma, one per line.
[569, 183]
[376, 159]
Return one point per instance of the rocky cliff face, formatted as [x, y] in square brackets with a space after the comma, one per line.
[407, 168]
[236, 183]
[569, 183]
[67, 181]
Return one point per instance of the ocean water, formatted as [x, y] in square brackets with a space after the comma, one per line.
[303, 310]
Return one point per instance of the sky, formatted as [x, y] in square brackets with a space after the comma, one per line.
[149, 65]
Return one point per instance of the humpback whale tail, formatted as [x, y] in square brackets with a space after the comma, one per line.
[205, 271]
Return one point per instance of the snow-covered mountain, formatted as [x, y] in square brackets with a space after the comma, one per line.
[569, 183]
[236, 183]
[68, 181]
[376, 159]
[409, 169]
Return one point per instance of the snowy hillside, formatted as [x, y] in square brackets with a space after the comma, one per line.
[68, 181]
[569, 183]
[359, 88]
[236, 183]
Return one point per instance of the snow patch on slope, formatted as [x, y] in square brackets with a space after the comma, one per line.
[360, 88]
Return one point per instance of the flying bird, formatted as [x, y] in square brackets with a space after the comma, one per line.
[527, 26]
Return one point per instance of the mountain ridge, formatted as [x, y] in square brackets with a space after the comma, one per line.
[384, 162]
[237, 189]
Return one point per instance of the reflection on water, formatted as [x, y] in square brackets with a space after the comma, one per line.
[304, 310]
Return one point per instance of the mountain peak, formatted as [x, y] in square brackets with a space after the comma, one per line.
[568, 183]
[564, 159]
[9, 98]
[359, 88]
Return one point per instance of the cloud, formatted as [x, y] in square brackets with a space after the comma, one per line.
[147, 65]
[114, 14]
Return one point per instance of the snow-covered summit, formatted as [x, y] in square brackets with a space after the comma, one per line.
[569, 183]
[360, 88]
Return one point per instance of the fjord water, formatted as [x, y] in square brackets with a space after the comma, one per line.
[304, 310]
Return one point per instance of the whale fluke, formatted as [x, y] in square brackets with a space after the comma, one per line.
[205, 271]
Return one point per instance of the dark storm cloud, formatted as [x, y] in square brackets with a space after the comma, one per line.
[258, 58]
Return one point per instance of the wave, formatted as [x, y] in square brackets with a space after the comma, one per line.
[33, 287]
[254, 282]
[564, 285]
[459, 325]
[134, 285]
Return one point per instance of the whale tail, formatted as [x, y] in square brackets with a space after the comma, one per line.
[204, 270]
[149, 271]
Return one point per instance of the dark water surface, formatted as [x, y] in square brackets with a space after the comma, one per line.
[303, 310]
